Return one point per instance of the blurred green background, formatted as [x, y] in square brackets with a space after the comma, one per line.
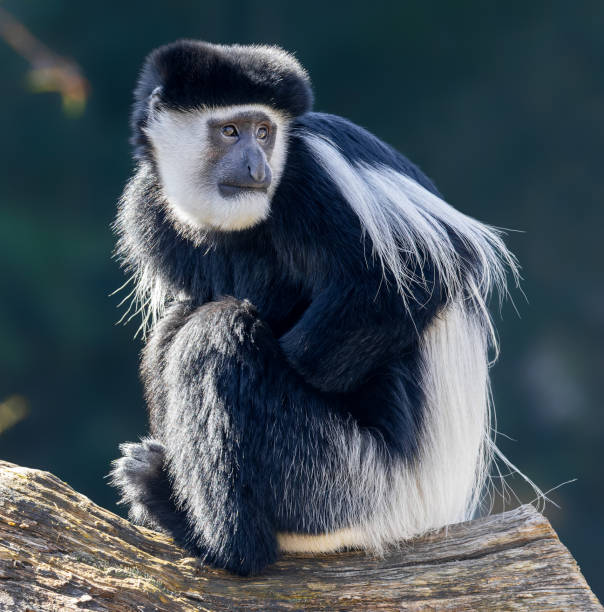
[503, 107]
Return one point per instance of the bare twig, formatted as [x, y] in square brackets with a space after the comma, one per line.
[48, 70]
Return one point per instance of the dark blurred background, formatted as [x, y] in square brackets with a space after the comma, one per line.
[503, 107]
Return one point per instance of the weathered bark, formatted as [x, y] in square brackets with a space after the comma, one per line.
[60, 551]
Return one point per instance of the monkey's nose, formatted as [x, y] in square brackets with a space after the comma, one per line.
[257, 171]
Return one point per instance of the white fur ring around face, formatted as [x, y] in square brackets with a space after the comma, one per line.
[180, 145]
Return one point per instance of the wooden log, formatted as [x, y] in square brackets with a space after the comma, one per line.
[60, 551]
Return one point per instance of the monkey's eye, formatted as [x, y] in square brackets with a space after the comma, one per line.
[230, 131]
[262, 133]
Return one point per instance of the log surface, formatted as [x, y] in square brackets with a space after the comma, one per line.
[60, 551]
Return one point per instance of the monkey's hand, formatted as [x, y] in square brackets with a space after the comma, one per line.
[343, 336]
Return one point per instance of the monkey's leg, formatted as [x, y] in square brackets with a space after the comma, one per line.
[140, 474]
[215, 432]
[250, 448]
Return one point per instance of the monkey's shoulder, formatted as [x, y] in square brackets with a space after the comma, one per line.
[357, 145]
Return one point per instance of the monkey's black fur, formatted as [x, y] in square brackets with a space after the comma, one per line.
[277, 339]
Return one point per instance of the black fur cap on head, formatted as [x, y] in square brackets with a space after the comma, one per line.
[190, 73]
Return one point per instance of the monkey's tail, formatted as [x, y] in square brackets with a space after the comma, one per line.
[459, 452]
[456, 455]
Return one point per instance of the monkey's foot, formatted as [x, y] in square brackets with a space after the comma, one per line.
[138, 475]
[141, 477]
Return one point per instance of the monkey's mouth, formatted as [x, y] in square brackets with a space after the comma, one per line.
[228, 189]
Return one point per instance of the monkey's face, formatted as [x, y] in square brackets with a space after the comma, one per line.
[218, 167]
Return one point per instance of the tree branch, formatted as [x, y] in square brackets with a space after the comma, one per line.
[60, 551]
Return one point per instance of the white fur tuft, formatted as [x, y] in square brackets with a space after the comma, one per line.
[406, 223]
[148, 293]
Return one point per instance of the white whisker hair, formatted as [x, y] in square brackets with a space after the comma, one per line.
[149, 295]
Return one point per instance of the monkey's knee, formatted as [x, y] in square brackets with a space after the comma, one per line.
[226, 314]
[225, 330]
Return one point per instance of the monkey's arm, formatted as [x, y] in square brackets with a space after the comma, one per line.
[344, 335]
[193, 387]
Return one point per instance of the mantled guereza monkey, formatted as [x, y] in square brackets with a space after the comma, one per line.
[316, 371]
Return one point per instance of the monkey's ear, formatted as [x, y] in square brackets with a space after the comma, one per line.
[148, 99]
[155, 99]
